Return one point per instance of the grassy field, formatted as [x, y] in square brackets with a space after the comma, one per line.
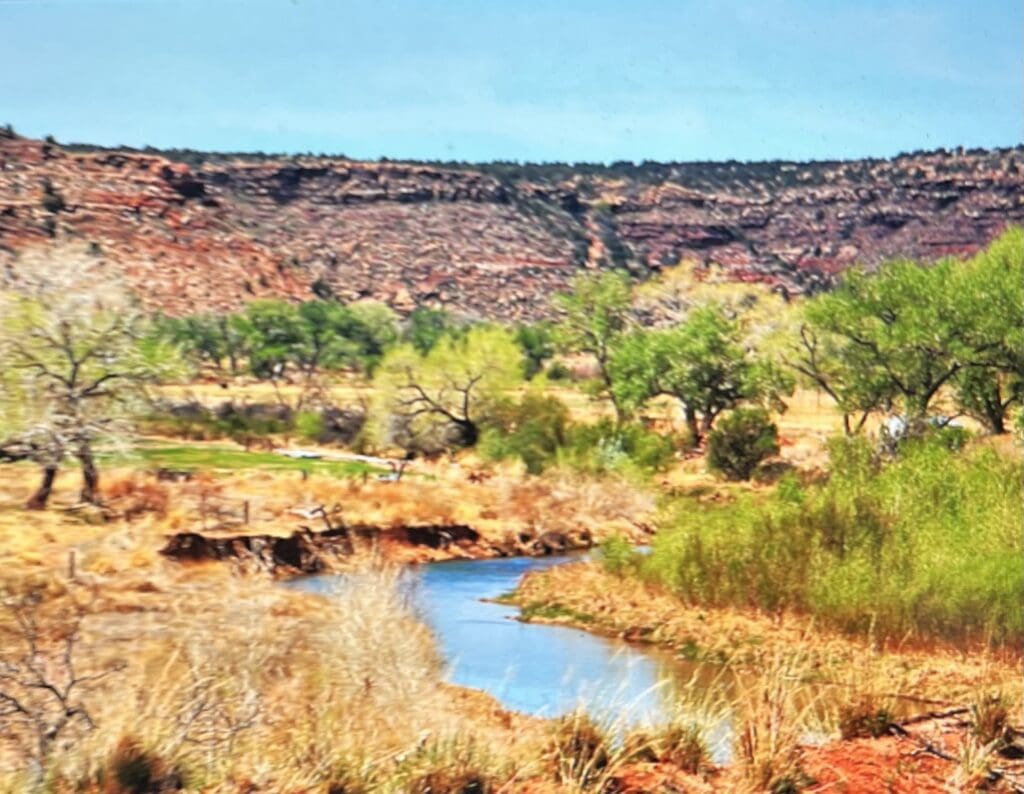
[225, 458]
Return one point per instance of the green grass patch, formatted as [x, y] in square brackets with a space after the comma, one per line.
[217, 458]
[544, 611]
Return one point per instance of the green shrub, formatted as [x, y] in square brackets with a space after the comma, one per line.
[928, 544]
[952, 437]
[742, 440]
[606, 447]
[531, 430]
[618, 555]
[558, 371]
[309, 425]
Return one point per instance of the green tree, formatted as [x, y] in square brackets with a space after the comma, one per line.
[538, 343]
[208, 338]
[373, 331]
[900, 337]
[992, 297]
[277, 337]
[896, 337]
[702, 362]
[446, 393]
[595, 315]
[324, 341]
[426, 326]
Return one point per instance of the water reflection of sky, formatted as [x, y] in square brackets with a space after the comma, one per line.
[534, 668]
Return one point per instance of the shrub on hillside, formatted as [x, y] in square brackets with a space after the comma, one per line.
[742, 440]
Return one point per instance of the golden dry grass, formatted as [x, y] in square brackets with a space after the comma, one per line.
[242, 686]
[624, 606]
[498, 503]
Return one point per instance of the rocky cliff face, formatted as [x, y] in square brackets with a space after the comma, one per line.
[492, 240]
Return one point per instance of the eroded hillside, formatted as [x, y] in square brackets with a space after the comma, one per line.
[210, 232]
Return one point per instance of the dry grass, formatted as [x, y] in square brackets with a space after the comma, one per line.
[241, 685]
[500, 504]
[911, 676]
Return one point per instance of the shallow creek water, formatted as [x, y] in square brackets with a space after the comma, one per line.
[534, 668]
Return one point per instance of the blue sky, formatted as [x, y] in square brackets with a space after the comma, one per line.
[594, 80]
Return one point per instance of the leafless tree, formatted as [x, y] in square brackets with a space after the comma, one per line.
[75, 352]
[42, 685]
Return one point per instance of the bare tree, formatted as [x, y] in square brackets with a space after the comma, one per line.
[76, 353]
[42, 687]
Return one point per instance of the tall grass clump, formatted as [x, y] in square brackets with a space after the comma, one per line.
[284, 692]
[928, 545]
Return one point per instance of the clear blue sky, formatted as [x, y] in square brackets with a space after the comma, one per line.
[534, 80]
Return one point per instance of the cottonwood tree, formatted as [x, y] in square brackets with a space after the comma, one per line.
[76, 356]
[445, 394]
[425, 327]
[211, 338]
[595, 315]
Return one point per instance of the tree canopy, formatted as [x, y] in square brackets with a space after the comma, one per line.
[900, 337]
[442, 396]
[595, 313]
[702, 362]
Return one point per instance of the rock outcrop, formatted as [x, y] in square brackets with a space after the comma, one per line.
[493, 240]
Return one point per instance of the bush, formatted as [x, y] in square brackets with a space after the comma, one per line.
[928, 544]
[618, 555]
[606, 447]
[558, 371]
[531, 430]
[741, 441]
[309, 425]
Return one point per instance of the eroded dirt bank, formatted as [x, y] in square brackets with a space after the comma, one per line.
[306, 551]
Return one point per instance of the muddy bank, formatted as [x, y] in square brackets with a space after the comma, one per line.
[306, 551]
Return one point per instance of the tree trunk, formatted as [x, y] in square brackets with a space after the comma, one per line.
[469, 433]
[90, 475]
[995, 416]
[42, 494]
[691, 424]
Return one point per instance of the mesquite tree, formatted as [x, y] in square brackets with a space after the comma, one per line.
[909, 336]
[595, 315]
[704, 363]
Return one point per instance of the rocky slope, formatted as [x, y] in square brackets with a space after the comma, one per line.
[199, 231]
